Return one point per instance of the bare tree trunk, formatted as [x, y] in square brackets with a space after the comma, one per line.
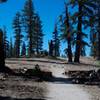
[2, 58]
[98, 56]
[69, 50]
[79, 36]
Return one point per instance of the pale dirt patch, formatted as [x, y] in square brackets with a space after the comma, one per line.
[60, 90]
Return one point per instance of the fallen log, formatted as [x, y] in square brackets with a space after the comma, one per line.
[83, 77]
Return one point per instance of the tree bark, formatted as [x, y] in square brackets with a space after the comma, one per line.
[98, 56]
[79, 36]
[2, 58]
[69, 51]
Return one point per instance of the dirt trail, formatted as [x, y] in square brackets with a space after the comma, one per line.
[61, 90]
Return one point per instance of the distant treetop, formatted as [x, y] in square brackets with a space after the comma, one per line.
[1, 1]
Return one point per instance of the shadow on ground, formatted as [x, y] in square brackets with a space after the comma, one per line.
[9, 98]
[81, 81]
[84, 64]
[61, 80]
[32, 60]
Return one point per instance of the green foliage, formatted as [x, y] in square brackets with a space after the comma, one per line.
[6, 43]
[33, 27]
[11, 54]
[95, 31]
[38, 37]
[56, 42]
[97, 26]
[51, 46]
[97, 63]
[17, 31]
[2, 58]
[28, 23]
[81, 18]
[23, 52]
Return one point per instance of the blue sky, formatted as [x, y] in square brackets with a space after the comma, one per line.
[48, 10]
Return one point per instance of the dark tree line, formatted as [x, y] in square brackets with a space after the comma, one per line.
[17, 33]
[27, 24]
[6, 43]
[74, 24]
[2, 55]
[2, 58]
[54, 44]
[28, 20]
[33, 27]
[97, 21]
[66, 30]
[38, 35]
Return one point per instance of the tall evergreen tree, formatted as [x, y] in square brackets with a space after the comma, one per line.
[5, 42]
[2, 58]
[95, 31]
[85, 11]
[66, 28]
[23, 52]
[98, 28]
[17, 32]
[10, 48]
[83, 51]
[2, 1]
[38, 34]
[51, 46]
[56, 42]
[93, 41]
[28, 22]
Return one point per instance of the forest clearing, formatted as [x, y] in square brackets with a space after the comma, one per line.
[56, 88]
[49, 49]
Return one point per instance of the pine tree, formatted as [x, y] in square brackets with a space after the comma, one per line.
[2, 58]
[98, 29]
[56, 42]
[6, 43]
[51, 46]
[83, 51]
[23, 52]
[95, 31]
[28, 23]
[2, 1]
[85, 12]
[14, 49]
[10, 48]
[93, 41]
[17, 32]
[38, 34]
[66, 29]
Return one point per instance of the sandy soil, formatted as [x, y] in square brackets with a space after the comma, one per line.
[61, 89]
[58, 89]
[20, 88]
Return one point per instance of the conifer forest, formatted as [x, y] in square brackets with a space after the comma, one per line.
[49, 49]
